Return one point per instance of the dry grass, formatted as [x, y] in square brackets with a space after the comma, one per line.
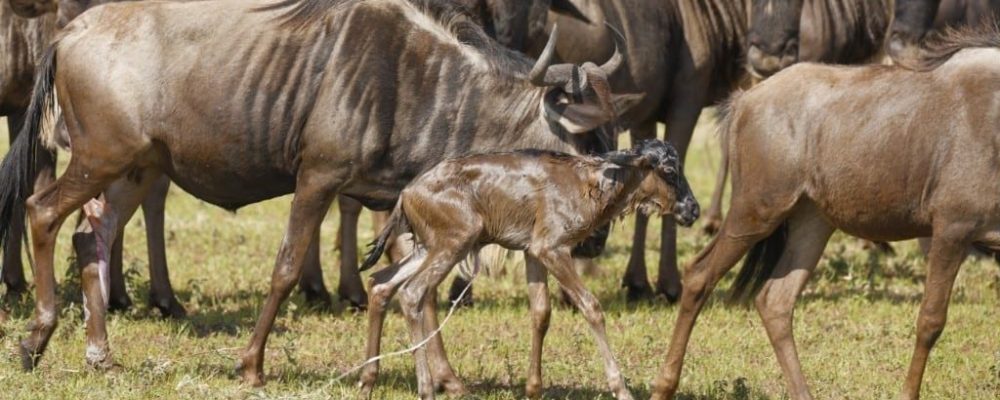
[855, 336]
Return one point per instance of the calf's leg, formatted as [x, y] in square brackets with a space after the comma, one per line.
[541, 312]
[560, 264]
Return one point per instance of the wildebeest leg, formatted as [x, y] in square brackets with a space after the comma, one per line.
[713, 218]
[47, 209]
[384, 284]
[105, 219]
[412, 299]
[559, 263]
[807, 237]
[541, 311]
[311, 283]
[636, 280]
[685, 107]
[314, 191]
[119, 300]
[350, 287]
[161, 292]
[12, 268]
[741, 230]
[948, 249]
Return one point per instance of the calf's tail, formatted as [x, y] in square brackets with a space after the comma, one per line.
[396, 224]
[18, 169]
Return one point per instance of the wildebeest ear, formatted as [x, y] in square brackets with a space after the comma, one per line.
[567, 7]
[578, 118]
[624, 102]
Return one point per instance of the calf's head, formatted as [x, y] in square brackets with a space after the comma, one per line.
[773, 40]
[578, 100]
[664, 190]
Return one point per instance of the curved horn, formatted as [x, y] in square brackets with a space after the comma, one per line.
[541, 67]
[609, 67]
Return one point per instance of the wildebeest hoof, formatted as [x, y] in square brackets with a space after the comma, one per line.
[672, 295]
[99, 358]
[355, 303]
[318, 298]
[532, 389]
[635, 293]
[116, 304]
[450, 386]
[29, 357]
[169, 308]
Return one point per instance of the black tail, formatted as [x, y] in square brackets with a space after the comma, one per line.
[397, 223]
[759, 265]
[18, 170]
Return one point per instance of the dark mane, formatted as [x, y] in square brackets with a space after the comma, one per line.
[454, 17]
[941, 48]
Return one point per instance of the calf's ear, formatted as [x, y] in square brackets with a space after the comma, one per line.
[628, 158]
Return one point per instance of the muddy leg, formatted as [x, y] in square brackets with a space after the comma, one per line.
[541, 312]
[105, 220]
[444, 376]
[948, 250]
[350, 288]
[313, 194]
[47, 209]
[161, 292]
[636, 279]
[807, 237]
[560, 264]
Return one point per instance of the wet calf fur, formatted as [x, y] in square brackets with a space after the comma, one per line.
[543, 203]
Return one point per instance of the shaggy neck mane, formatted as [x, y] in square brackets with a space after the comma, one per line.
[941, 48]
[453, 18]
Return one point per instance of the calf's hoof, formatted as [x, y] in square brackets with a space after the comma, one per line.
[452, 387]
[533, 389]
[250, 374]
[99, 358]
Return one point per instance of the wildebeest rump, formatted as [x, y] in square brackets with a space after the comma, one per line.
[884, 153]
[22, 43]
[917, 20]
[305, 98]
[541, 202]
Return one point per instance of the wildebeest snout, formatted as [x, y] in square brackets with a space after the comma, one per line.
[686, 209]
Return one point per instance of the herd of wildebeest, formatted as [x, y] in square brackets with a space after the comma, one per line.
[495, 122]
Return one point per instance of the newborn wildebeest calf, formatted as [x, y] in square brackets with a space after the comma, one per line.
[883, 153]
[541, 202]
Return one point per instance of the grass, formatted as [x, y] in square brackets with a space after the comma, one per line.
[855, 334]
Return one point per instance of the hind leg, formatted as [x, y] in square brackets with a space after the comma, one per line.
[541, 312]
[161, 292]
[47, 209]
[311, 283]
[384, 285]
[807, 237]
[105, 220]
[350, 287]
[12, 269]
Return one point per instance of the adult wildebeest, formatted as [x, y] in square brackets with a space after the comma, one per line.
[833, 161]
[544, 203]
[312, 101]
[915, 19]
[782, 33]
[22, 44]
[685, 55]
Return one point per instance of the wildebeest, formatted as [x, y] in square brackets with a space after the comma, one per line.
[834, 160]
[543, 203]
[685, 55]
[311, 101]
[782, 33]
[21, 46]
[915, 19]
